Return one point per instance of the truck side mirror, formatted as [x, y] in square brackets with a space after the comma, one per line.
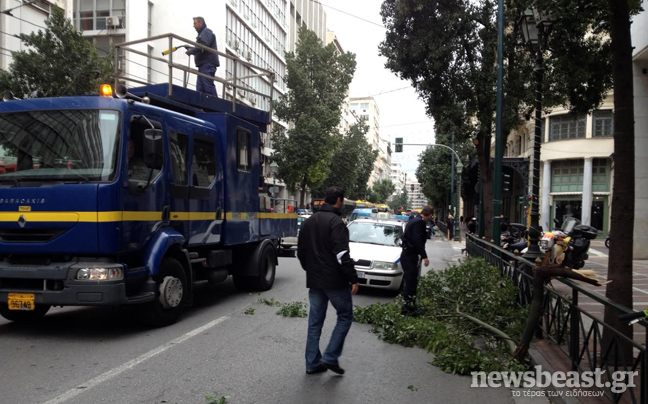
[153, 149]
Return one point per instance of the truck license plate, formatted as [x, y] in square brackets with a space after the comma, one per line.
[361, 275]
[21, 301]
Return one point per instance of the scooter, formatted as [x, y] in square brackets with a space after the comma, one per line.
[568, 246]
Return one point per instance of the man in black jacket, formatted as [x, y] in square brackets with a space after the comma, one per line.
[206, 61]
[414, 239]
[323, 251]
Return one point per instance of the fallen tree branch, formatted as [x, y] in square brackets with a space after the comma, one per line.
[496, 331]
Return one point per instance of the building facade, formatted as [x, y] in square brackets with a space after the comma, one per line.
[366, 109]
[575, 168]
[415, 194]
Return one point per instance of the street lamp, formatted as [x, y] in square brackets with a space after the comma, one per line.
[456, 221]
[534, 23]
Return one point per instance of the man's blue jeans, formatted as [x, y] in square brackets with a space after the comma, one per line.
[203, 84]
[341, 301]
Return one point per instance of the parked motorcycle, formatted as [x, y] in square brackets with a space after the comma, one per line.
[569, 245]
[513, 237]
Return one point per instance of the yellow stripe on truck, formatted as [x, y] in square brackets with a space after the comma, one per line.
[134, 216]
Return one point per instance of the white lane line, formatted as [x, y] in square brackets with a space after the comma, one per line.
[596, 252]
[130, 364]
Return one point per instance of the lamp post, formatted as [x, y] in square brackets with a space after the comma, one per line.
[457, 231]
[534, 22]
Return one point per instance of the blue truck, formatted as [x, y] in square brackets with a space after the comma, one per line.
[132, 197]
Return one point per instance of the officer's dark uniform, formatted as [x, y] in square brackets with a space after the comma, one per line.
[414, 239]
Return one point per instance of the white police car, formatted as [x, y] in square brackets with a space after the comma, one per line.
[376, 247]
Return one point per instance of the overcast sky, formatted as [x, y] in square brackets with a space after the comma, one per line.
[358, 27]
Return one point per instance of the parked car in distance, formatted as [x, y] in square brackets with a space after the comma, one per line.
[288, 242]
[376, 245]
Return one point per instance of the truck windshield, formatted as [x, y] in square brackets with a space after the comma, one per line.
[59, 145]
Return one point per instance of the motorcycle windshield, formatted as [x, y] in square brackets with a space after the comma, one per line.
[569, 224]
[77, 145]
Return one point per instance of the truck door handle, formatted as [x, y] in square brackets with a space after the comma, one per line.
[166, 213]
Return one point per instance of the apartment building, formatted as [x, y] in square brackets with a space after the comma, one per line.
[366, 109]
[398, 177]
[416, 198]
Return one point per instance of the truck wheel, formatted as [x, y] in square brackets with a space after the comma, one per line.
[24, 316]
[170, 295]
[265, 267]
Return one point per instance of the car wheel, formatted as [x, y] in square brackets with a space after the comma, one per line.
[24, 316]
[607, 242]
[171, 293]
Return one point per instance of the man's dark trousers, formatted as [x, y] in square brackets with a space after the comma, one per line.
[409, 262]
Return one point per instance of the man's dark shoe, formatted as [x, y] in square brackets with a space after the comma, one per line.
[334, 368]
[318, 369]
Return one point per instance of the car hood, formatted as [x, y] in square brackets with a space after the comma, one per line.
[374, 252]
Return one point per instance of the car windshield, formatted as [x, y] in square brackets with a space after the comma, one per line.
[59, 145]
[376, 233]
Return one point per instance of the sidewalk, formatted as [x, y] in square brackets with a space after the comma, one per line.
[549, 356]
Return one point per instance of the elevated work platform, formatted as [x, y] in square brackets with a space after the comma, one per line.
[188, 101]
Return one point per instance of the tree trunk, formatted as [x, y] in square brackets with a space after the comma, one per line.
[541, 275]
[623, 195]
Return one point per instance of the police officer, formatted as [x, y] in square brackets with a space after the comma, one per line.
[414, 239]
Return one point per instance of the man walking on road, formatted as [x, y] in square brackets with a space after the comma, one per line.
[414, 239]
[323, 251]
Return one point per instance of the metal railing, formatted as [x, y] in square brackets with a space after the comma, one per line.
[235, 83]
[577, 333]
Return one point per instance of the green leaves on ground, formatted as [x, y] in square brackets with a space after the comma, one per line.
[216, 399]
[444, 298]
[294, 309]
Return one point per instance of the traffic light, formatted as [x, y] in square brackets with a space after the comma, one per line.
[399, 145]
[506, 182]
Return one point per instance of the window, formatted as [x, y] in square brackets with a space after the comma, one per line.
[243, 154]
[603, 123]
[179, 157]
[567, 176]
[567, 126]
[204, 163]
[601, 175]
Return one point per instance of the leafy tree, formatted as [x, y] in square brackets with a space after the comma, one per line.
[359, 190]
[347, 167]
[400, 200]
[383, 190]
[58, 61]
[317, 78]
[447, 49]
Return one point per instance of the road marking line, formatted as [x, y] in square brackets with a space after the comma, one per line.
[130, 364]
[598, 253]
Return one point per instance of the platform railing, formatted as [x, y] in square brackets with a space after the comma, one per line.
[236, 83]
[577, 333]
